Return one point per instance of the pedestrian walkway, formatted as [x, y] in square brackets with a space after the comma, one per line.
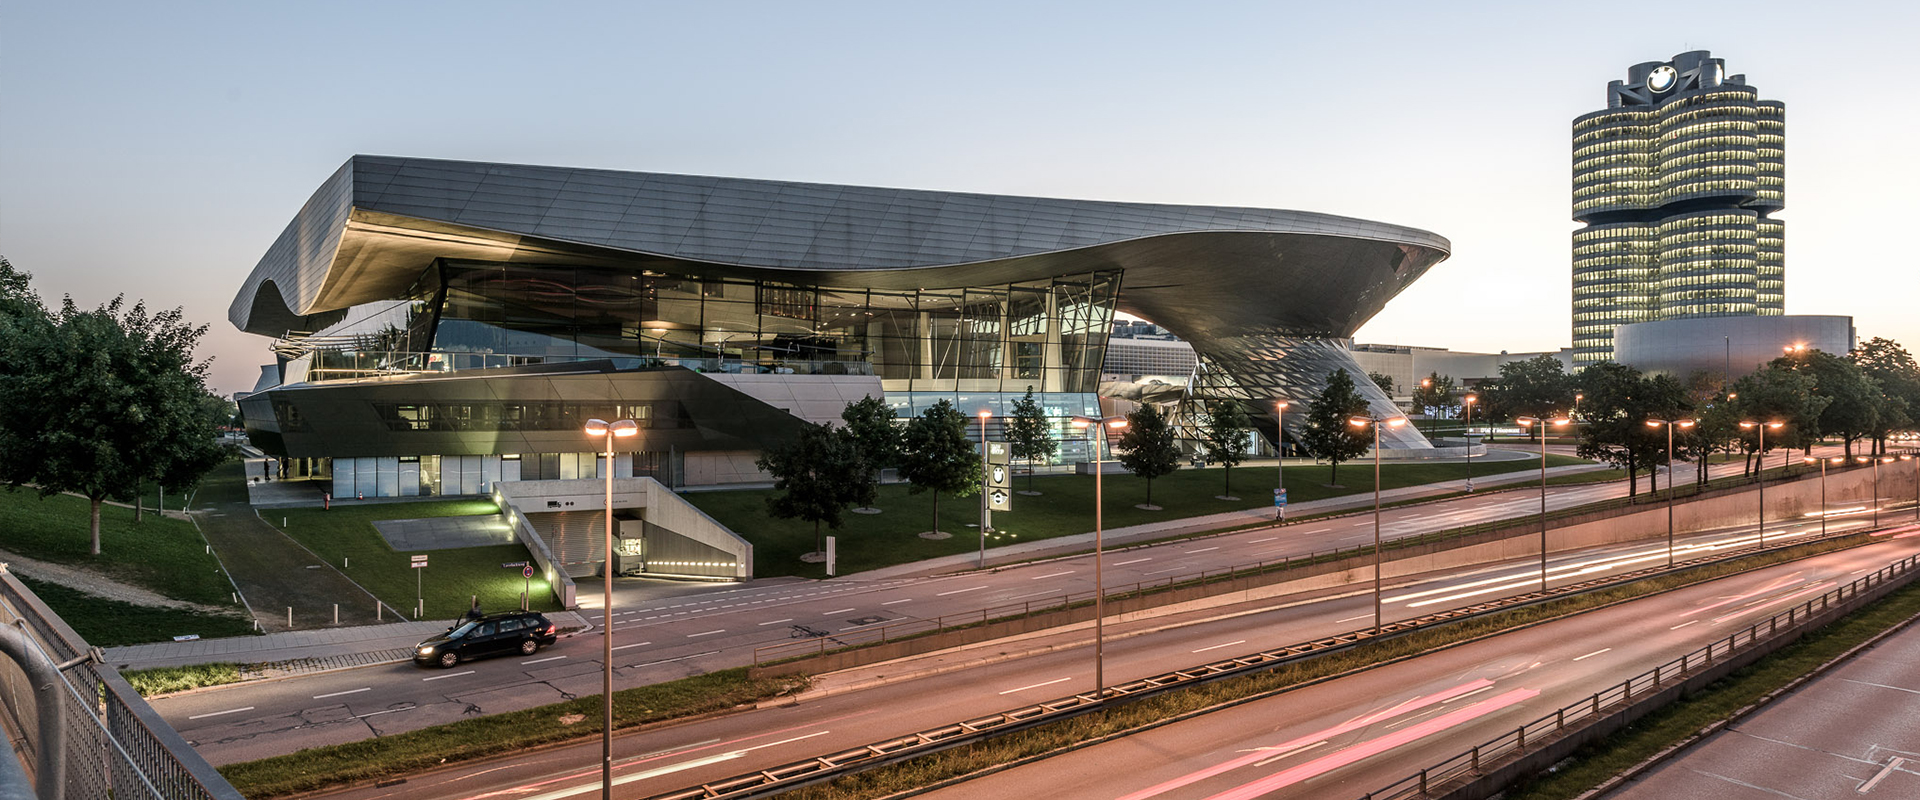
[274, 573]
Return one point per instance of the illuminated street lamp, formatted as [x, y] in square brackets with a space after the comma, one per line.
[1280, 456]
[984, 415]
[1376, 422]
[1528, 422]
[1669, 423]
[1104, 424]
[600, 427]
[1761, 473]
[1823, 487]
[1876, 484]
[1468, 401]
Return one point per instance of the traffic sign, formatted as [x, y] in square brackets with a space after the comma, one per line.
[526, 571]
[999, 499]
[418, 565]
[512, 564]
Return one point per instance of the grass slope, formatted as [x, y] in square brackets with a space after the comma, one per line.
[110, 623]
[346, 535]
[1063, 508]
[167, 556]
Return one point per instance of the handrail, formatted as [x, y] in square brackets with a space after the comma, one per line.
[50, 750]
[1466, 762]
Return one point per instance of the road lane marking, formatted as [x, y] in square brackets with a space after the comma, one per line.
[1218, 646]
[1268, 539]
[1204, 549]
[1160, 571]
[962, 591]
[708, 633]
[667, 769]
[777, 621]
[1594, 653]
[1050, 575]
[671, 660]
[1882, 774]
[218, 713]
[409, 707]
[897, 602]
[337, 694]
[542, 660]
[841, 611]
[1351, 619]
[1135, 561]
[636, 644]
[1683, 624]
[450, 675]
[1032, 594]
[1037, 685]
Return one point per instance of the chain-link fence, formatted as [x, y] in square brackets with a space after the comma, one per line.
[84, 732]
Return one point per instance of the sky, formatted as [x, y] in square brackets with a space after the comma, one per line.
[156, 149]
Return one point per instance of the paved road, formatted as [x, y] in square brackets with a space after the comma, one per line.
[702, 628]
[1846, 734]
[1527, 671]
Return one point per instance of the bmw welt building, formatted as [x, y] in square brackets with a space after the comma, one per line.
[441, 325]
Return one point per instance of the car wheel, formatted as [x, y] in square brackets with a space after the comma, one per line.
[449, 658]
[529, 647]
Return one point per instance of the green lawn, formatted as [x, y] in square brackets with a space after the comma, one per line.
[107, 623]
[1065, 507]
[347, 533]
[167, 556]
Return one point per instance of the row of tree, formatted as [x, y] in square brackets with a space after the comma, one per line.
[98, 402]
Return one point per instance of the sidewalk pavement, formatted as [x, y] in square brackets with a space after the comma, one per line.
[1134, 534]
[309, 650]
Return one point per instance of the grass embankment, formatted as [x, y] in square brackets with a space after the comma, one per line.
[1718, 701]
[466, 740]
[166, 556]
[164, 680]
[1042, 740]
[111, 623]
[1062, 509]
[346, 536]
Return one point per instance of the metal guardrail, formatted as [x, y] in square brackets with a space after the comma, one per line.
[826, 767]
[1468, 762]
[116, 746]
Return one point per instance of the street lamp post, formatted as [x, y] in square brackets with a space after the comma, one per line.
[1280, 456]
[984, 414]
[1823, 488]
[622, 428]
[1761, 473]
[1876, 485]
[1376, 422]
[1916, 484]
[1528, 422]
[1669, 424]
[1469, 401]
[1102, 424]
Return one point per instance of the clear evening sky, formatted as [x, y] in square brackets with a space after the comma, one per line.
[156, 149]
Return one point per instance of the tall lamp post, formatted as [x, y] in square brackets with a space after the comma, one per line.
[622, 428]
[984, 415]
[1469, 401]
[1876, 484]
[1280, 456]
[1102, 424]
[1761, 473]
[1529, 422]
[1376, 422]
[1823, 487]
[1669, 424]
[1916, 484]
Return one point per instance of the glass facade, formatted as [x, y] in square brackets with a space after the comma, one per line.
[1675, 183]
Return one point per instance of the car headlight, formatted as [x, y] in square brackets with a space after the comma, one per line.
[426, 651]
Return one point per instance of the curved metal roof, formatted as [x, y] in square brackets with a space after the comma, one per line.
[373, 226]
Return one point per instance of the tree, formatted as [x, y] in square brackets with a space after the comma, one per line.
[1618, 402]
[1147, 448]
[870, 422]
[1856, 400]
[1778, 394]
[937, 456]
[1030, 435]
[1382, 380]
[1327, 433]
[1435, 392]
[1886, 361]
[98, 401]
[817, 475]
[1223, 431]
[1536, 387]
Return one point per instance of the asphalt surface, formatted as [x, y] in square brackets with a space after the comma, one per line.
[692, 629]
[1444, 694]
[1847, 734]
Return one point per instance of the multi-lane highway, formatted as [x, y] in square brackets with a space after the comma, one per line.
[1364, 718]
[698, 629]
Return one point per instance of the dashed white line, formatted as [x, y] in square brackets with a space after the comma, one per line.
[250, 708]
[777, 621]
[841, 611]
[897, 602]
[448, 675]
[388, 711]
[1050, 575]
[707, 633]
[1159, 571]
[1595, 653]
[337, 694]
[635, 644]
[1351, 619]
[961, 591]
[1268, 539]
[1135, 561]
[1032, 594]
[1683, 624]
[1218, 646]
[671, 660]
[1204, 549]
[542, 660]
[1037, 685]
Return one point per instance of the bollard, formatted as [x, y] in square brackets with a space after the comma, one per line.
[236, 597]
[209, 549]
[256, 624]
[289, 616]
[336, 613]
[377, 611]
[345, 562]
[283, 522]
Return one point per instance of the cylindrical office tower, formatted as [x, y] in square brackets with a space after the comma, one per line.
[1675, 180]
